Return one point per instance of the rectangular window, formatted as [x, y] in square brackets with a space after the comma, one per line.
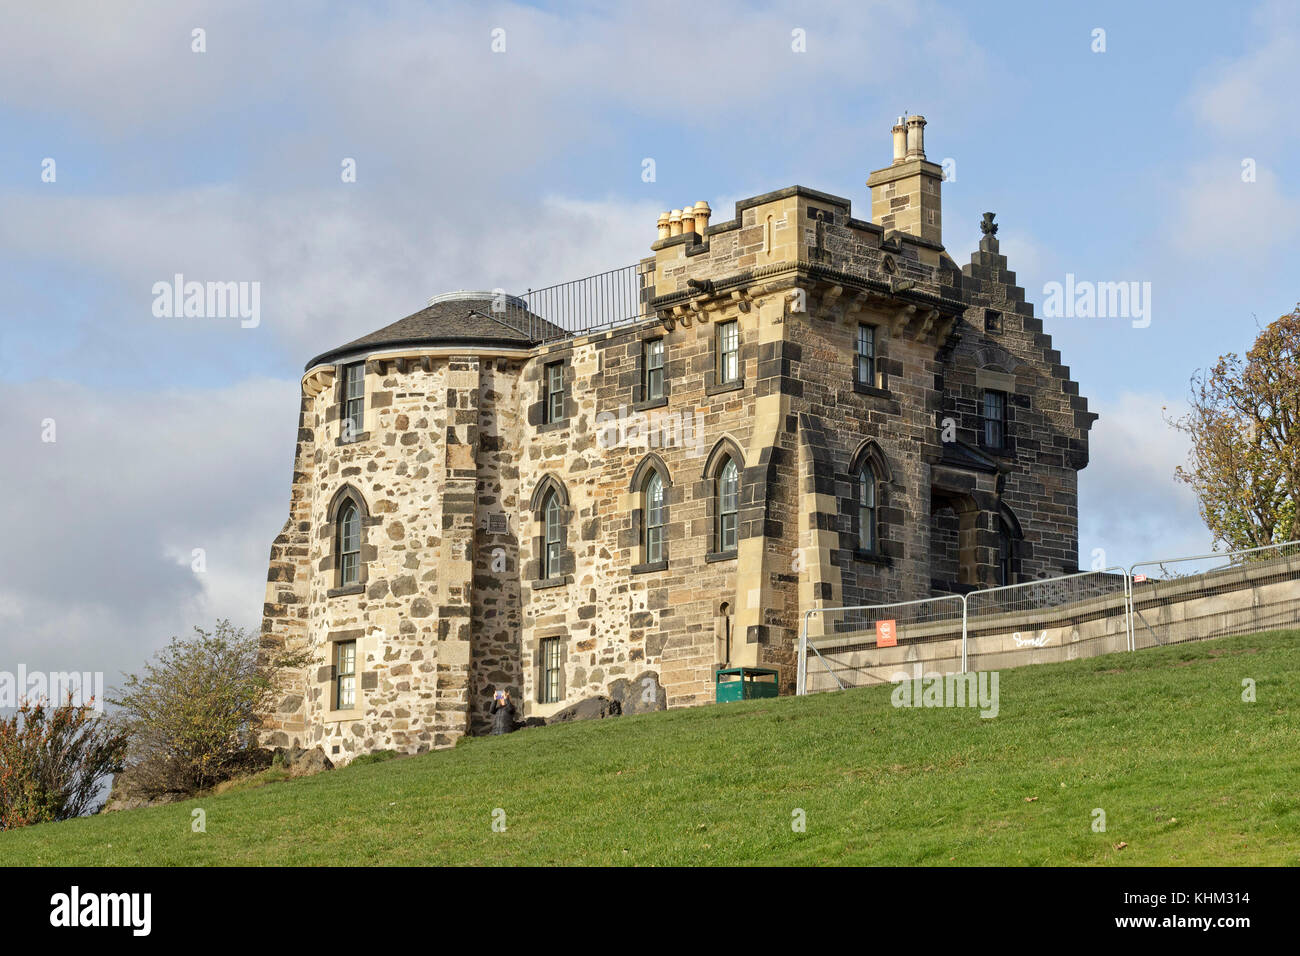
[348, 569]
[354, 401]
[728, 352]
[555, 392]
[727, 532]
[549, 691]
[995, 414]
[345, 695]
[653, 386]
[866, 370]
[654, 543]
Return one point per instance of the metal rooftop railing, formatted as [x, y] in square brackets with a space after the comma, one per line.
[604, 300]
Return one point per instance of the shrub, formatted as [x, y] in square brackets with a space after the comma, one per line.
[52, 760]
[192, 717]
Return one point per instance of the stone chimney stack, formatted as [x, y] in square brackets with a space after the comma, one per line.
[687, 219]
[905, 194]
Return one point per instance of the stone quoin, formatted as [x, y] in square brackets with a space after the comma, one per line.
[840, 415]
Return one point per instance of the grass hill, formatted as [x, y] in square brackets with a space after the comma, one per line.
[1186, 772]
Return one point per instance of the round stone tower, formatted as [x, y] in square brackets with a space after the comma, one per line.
[400, 540]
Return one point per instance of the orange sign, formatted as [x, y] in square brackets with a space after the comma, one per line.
[886, 636]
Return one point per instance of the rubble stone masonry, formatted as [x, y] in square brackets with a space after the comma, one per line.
[458, 457]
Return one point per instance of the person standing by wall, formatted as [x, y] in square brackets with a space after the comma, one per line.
[503, 713]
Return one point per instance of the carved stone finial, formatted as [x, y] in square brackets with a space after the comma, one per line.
[988, 226]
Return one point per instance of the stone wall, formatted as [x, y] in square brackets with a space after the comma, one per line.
[618, 615]
[457, 459]
[497, 615]
[396, 470]
[286, 610]
[1250, 601]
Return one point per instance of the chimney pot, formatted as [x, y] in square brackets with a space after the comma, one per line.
[702, 214]
[663, 224]
[900, 140]
[675, 223]
[915, 137]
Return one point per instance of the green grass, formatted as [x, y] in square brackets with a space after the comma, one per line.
[1186, 772]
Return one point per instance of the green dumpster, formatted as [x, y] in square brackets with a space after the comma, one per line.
[746, 683]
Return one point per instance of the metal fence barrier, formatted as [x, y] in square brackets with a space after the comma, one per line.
[1214, 595]
[926, 637]
[1151, 603]
[1050, 619]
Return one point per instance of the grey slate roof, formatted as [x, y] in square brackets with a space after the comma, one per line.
[459, 319]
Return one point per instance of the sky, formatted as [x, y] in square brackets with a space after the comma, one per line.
[128, 156]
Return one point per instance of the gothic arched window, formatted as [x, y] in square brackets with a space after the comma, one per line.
[656, 517]
[554, 537]
[728, 494]
[866, 508]
[349, 544]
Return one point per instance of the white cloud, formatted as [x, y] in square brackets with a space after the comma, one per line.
[454, 146]
[1246, 109]
[118, 66]
[97, 520]
[1250, 100]
[1219, 214]
[441, 87]
[330, 270]
[1129, 503]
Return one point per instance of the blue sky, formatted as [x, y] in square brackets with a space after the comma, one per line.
[523, 168]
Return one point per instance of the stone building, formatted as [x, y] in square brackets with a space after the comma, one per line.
[615, 486]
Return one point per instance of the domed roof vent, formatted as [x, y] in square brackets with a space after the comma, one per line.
[467, 295]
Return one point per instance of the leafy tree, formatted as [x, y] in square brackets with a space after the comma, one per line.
[1244, 425]
[192, 716]
[52, 760]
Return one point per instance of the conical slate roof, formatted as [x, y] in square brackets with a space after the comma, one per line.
[457, 319]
